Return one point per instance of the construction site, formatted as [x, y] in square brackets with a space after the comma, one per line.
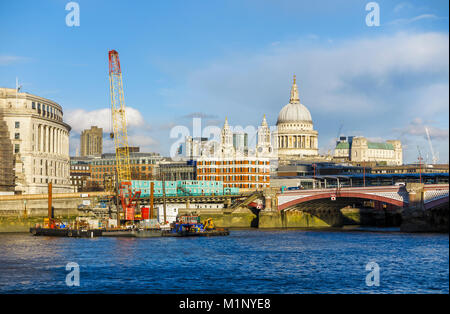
[129, 207]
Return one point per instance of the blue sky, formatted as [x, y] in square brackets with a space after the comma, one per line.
[214, 59]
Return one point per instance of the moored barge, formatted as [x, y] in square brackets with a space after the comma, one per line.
[185, 226]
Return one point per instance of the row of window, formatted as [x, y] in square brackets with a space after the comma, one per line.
[132, 161]
[78, 177]
[233, 162]
[235, 178]
[109, 169]
[231, 170]
[79, 167]
[47, 111]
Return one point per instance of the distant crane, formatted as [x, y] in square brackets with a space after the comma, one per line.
[434, 158]
[420, 164]
[337, 138]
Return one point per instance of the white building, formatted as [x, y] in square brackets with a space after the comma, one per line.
[264, 146]
[35, 142]
[195, 147]
[359, 149]
[296, 137]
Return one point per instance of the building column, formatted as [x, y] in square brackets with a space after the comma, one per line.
[40, 138]
[36, 137]
[52, 140]
[45, 139]
[60, 141]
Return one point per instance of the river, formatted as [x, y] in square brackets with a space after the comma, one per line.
[247, 261]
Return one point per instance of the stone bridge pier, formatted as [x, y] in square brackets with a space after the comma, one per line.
[424, 214]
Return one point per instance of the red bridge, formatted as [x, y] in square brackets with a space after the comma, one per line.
[434, 195]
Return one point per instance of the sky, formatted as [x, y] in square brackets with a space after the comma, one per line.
[236, 58]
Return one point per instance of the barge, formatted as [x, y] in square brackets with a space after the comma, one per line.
[66, 232]
[184, 226]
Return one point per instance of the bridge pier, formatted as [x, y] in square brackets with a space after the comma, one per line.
[417, 218]
[300, 219]
[270, 199]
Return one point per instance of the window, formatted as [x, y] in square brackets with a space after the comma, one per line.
[16, 148]
[33, 105]
[17, 136]
[17, 124]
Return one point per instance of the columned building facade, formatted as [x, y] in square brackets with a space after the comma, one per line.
[296, 137]
[39, 140]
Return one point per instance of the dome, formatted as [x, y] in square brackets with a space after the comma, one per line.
[294, 112]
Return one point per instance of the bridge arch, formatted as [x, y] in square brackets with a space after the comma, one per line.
[328, 195]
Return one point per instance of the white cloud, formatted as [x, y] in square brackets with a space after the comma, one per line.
[8, 60]
[414, 19]
[402, 6]
[81, 119]
[139, 133]
[417, 128]
[142, 140]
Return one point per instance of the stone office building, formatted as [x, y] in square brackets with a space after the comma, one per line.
[34, 143]
[91, 142]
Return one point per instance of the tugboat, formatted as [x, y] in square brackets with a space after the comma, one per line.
[190, 226]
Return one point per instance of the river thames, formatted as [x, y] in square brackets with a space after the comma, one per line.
[247, 261]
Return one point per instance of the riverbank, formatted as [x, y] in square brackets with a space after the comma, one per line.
[246, 218]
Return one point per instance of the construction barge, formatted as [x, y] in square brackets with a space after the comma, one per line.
[185, 226]
[153, 233]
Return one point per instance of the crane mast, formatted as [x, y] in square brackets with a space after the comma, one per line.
[434, 158]
[119, 120]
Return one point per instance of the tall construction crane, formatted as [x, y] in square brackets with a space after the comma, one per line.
[129, 201]
[434, 158]
[119, 119]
